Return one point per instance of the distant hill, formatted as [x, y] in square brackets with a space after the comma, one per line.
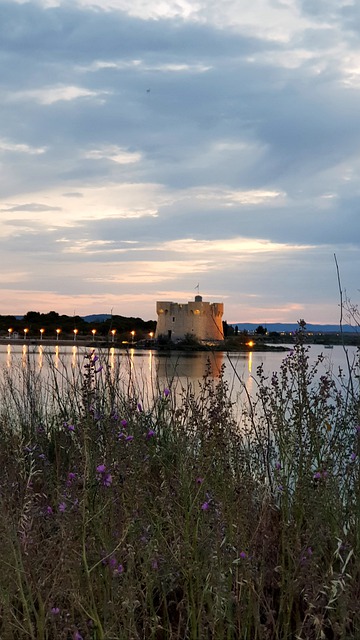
[287, 328]
[97, 317]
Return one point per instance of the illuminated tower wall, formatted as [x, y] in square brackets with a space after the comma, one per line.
[201, 319]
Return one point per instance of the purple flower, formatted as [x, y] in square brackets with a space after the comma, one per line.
[99, 369]
[199, 480]
[62, 507]
[119, 569]
[124, 423]
[150, 434]
[70, 477]
[353, 456]
[242, 555]
[121, 435]
[155, 564]
[205, 506]
[107, 479]
[129, 438]
[166, 392]
[320, 475]
[139, 407]
[95, 358]
[277, 466]
[49, 511]
[69, 427]
[77, 635]
[101, 468]
[55, 611]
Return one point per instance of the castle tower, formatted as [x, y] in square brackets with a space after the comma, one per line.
[203, 320]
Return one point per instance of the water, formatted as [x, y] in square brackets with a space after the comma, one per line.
[152, 370]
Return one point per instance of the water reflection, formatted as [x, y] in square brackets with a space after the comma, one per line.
[24, 359]
[152, 371]
[41, 357]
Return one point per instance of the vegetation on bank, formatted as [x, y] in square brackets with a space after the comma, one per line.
[180, 515]
[32, 322]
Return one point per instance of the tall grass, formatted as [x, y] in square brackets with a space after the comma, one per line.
[166, 519]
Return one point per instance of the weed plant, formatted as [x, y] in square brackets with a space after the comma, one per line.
[126, 519]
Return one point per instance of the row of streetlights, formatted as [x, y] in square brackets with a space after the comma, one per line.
[76, 331]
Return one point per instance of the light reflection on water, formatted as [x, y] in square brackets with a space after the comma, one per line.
[153, 370]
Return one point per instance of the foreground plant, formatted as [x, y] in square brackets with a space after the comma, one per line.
[124, 518]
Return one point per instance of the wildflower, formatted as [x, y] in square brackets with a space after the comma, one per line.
[42, 456]
[55, 611]
[320, 475]
[77, 635]
[119, 569]
[95, 358]
[70, 477]
[49, 510]
[107, 479]
[277, 466]
[150, 434]
[242, 555]
[69, 427]
[101, 468]
[155, 564]
[139, 407]
[129, 438]
[124, 423]
[99, 369]
[205, 506]
[166, 392]
[121, 435]
[62, 507]
[199, 480]
[353, 456]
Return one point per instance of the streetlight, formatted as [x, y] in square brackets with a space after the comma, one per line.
[93, 331]
[151, 335]
[26, 331]
[113, 331]
[132, 333]
[41, 333]
[57, 333]
[76, 331]
[10, 332]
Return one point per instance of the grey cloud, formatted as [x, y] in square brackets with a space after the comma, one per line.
[31, 207]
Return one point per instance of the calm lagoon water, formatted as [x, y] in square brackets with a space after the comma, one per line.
[150, 371]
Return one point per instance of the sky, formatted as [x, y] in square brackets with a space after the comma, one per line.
[151, 149]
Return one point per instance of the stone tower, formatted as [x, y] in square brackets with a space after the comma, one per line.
[203, 320]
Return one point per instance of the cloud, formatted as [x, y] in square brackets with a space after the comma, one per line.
[31, 207]
[145, 145]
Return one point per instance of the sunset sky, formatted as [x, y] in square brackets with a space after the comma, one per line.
[150, 146]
